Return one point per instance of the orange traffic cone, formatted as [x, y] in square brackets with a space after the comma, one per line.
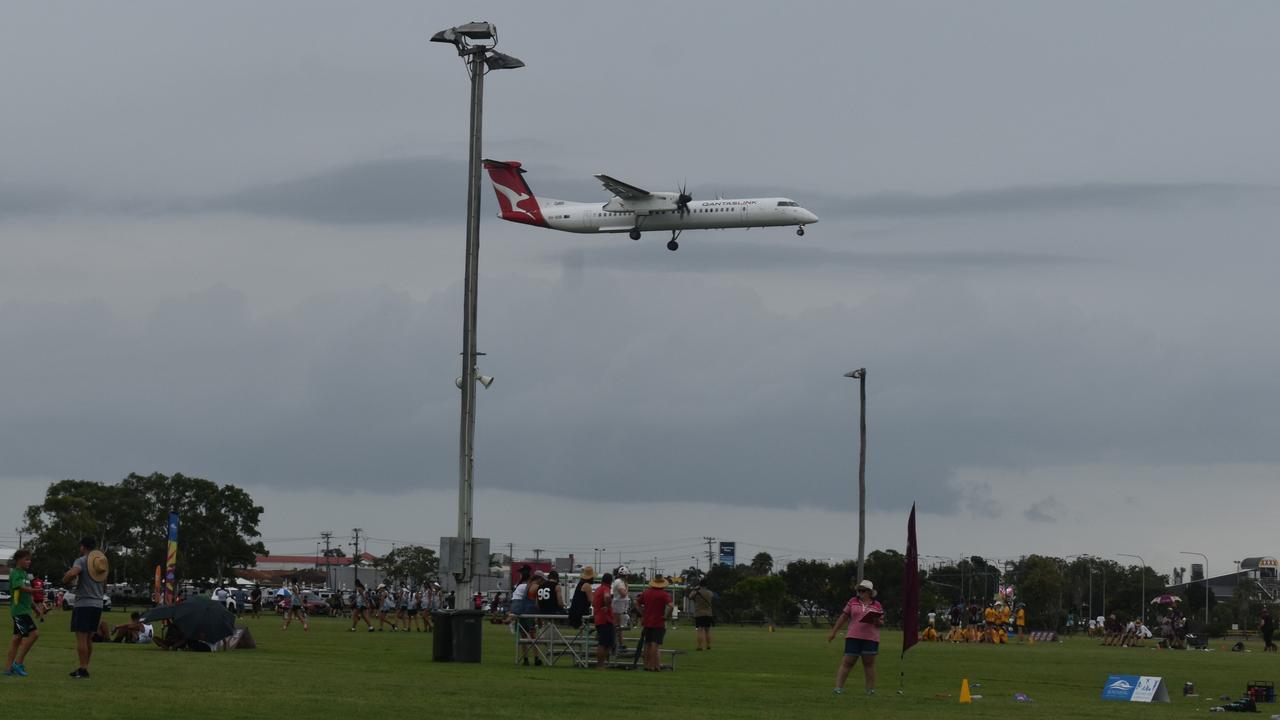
[965, 699]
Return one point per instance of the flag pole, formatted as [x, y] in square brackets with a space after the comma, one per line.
[910, 599]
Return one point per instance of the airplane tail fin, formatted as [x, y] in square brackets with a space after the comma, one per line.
[515, 198]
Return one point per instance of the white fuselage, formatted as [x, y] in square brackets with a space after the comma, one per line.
[702, 215]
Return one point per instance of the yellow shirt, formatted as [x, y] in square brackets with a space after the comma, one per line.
[1022, 617]
[1004, 615]
[991, 615]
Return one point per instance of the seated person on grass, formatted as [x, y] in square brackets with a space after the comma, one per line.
[134, 631]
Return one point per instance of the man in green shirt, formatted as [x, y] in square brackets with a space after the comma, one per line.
[25, 633]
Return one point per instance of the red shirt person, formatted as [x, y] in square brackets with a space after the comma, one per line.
[655, 605]
[602, 616]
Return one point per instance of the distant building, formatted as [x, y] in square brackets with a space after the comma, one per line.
[335, 572]
[308, 562]
[1261, 570]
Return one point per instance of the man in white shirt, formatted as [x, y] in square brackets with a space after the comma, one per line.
[621, 606]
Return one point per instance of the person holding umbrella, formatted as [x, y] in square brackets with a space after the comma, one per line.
[197, 624]
[88, 572]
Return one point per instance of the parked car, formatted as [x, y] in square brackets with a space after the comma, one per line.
[69, 600]
[313, 603]
[4, 590]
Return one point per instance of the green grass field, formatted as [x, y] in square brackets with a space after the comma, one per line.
[330, 672]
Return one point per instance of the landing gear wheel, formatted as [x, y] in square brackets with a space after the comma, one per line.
[672, 245]
[635, 234]
[800, 230]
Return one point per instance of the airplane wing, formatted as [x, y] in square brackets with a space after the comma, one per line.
[621, 189]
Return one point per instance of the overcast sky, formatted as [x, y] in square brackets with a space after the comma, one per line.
[232, 243]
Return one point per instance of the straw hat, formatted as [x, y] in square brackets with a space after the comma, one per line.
[658, 582]
[866, 584]
[97, 564]
[588, 573]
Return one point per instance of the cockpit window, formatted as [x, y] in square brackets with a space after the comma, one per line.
[787, 203]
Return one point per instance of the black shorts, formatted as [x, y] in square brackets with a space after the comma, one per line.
[704, 622]
[23, 625]
[413, 611]
[655, 635]
[605, 637]
[85, 619]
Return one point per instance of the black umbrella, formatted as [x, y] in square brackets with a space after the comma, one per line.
[204, 620]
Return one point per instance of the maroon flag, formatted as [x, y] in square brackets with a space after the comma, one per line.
[911, 588]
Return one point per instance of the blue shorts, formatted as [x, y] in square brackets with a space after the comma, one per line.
[858, 646]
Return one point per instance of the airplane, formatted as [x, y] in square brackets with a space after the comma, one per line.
[634, 210]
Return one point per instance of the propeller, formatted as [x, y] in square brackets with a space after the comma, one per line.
[682, 201]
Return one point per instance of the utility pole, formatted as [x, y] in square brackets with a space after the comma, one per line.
[19, 531]
[861, 376]
[511, 553]
[328, 564]
[710, 555]
[537, 554]
[355, 555]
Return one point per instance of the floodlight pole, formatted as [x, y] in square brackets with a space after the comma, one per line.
[475, 44]
[1142, 609]
[861, 376]
[466, 432]
[1206, 584]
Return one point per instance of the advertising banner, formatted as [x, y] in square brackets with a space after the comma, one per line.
[171, 561]
[727, 552]
[1135, 688]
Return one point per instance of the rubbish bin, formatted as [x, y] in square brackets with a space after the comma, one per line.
[442, 635]
[468, 629]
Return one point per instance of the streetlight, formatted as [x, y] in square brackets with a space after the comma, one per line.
[1206, 584]
[1144, 583]
[861, 376]
[475, 43]
[1092, 572]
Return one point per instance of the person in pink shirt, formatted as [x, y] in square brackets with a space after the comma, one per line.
[865, 616]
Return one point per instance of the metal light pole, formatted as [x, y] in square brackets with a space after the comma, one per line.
[1206, 583]
[861, 376]
[1092, 572]
[475, 42]
[1143, 609]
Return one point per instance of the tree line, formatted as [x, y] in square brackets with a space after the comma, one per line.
[130, 521]
[816, 591]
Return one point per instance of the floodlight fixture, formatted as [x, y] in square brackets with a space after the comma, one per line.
[477, 30]
[501, 61]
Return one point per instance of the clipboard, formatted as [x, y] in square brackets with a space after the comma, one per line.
[872, 617]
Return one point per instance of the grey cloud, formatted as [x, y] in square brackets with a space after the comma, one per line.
[21, 199]
[1036, 199]
[432, 189]
[428, 189]
[979, 500]
[394, 190]
[698, 255]
[1047, 510]
[611, 389]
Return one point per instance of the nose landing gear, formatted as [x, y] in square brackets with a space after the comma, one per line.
[800, 230]
[635, 234]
